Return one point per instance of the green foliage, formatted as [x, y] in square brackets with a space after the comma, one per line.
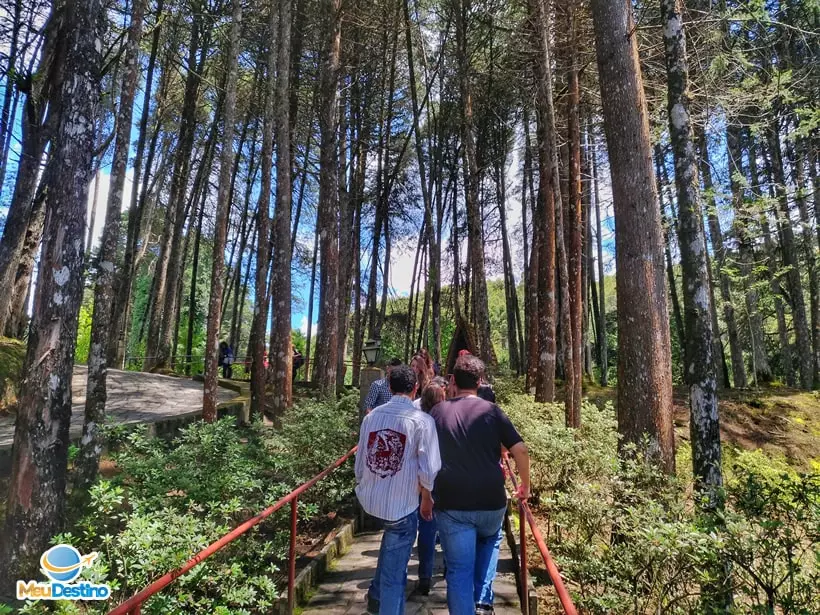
[628, 539]
[173, 498]
[84, 329]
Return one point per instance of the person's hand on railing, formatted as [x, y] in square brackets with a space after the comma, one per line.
[522, 493]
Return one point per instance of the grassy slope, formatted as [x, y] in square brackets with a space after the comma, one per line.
[777, 420]
[12, 354]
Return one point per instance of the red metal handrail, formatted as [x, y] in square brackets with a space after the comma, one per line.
[555, 576]
[133, 605]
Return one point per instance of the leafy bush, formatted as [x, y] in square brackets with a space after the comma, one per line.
[173, 498]
[628, 538]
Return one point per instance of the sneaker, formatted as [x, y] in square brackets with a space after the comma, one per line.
[422, 587]
[372, 604]
[484, 609]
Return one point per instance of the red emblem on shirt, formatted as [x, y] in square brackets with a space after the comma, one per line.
[385, 452]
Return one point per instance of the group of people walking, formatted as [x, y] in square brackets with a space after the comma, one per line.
[428, 464]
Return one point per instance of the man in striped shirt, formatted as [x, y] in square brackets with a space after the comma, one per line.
[398, 458]
[379, 392]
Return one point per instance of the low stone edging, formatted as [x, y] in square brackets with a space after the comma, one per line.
[309, 577]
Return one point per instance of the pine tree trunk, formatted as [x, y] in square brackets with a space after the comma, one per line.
[644, 357]
[660, 179]
[263, 226]
[475, 227]
[805, 360]
[771, 274]
[699, 361]
[161, 326]
[327, 343]
[574, 220]
[192, 301]
[223, 203]
[38, 118]
[807, 242]
[548, 194]
[16, 324]
[88, 459]
[125, 275]
[744, 222]
[602, 336]
[35, 505]
[282, 350]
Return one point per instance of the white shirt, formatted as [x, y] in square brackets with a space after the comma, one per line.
[398, 450]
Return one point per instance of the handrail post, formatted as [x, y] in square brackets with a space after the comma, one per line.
[292, 555]
[136, 610]
[525, 580]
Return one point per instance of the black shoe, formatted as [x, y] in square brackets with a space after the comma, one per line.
[372, 604]
[484, 609]
[422, 587]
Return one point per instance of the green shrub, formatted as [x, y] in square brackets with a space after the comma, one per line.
[628, 539]
[173, 498]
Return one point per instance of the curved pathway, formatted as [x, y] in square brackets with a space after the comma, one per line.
[133, 397]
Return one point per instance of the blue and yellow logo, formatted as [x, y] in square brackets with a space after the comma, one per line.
[63, 564]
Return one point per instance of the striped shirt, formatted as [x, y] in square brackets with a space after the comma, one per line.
[379, 393]
[398, 451]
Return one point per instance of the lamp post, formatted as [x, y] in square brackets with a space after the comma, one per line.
[372, 351]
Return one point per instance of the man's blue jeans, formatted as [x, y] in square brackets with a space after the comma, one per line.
[471, 540]
[390, 580]
[427, 547]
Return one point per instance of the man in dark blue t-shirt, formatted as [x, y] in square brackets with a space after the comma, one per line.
[469, 491]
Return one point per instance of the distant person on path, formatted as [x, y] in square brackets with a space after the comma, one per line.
[434, 393]
[298, 361]
[469, 492]
[423, 367]
[226, 359]
[398, 458]
[379, 392]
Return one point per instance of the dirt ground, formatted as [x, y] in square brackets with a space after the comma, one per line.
[777, 420]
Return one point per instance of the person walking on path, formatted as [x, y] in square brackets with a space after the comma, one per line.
[434, 393]
[398, 457]
[226, 359]
[379, 392]
[469, 494]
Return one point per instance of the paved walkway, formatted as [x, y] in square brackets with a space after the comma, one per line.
[133, 397]
[343, 589]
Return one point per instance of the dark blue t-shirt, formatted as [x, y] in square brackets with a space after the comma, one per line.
[471, 432]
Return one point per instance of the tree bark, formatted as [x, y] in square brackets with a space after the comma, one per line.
[125, 275]
[574, 222]
[223, 203]
[644, 356]
[161, 326]
[805, 361]
[263, 225]
[35, 505]
[549, 198]
[743, 224]
[40, 113]
[327, 343]
[281, 347]
[660, 172]
[475, 227]
[602, 337]
[699, 361]
[88, 459]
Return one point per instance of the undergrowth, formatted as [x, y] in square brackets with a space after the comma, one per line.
[628, 539]
[170, 499]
